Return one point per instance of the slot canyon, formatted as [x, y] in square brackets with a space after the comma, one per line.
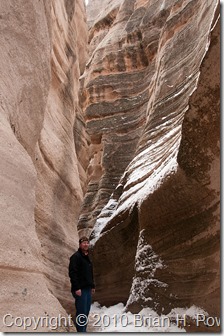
[110, 128]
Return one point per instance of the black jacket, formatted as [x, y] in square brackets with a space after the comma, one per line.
[80, 271]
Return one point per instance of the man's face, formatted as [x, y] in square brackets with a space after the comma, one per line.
[84, 246]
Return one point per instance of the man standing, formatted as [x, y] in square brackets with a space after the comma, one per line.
[82, 283]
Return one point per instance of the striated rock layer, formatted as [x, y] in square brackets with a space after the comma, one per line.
[152, 202]
[42, 176]
[62, 143]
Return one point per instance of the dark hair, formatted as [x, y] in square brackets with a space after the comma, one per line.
[82, 239]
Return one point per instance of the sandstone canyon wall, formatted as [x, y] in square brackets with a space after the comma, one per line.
[153, 199]
[43, 52]
[109, 139]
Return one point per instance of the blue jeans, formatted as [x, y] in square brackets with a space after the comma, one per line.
[82, 304]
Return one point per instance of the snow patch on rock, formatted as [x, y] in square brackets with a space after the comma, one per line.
[146, 264]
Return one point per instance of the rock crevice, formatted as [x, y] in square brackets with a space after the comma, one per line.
[147, 79]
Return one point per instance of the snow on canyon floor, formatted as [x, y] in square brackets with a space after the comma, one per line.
[115, 319]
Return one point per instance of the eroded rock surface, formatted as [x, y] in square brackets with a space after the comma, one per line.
[142, 147]
[43, 52]
[61, 150]
[150, 195]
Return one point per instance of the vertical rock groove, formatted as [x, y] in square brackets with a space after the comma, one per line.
[114, 134]
[147, 95]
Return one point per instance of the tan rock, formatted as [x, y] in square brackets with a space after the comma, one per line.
[162, 196]
[43, 52]
[60, 171]
[153, 194]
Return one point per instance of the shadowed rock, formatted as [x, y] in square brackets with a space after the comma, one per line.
[43, 52]
[155, 154]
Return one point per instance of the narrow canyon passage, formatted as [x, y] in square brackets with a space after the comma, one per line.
[110, 128]
[150, 96]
